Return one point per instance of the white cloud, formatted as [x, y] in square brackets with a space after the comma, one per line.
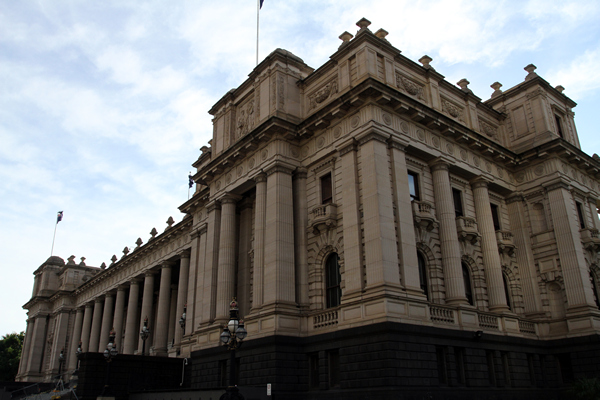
[580, 77]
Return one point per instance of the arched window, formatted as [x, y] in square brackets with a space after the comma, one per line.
[506, 291]
[467, 280]
[333, 291]
[423, 275]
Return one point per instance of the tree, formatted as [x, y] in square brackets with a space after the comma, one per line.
[10, 355]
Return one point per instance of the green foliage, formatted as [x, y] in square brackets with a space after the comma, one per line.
[585, 389]
[10, 355]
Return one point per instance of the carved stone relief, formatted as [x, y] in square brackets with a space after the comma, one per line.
[323, 94]
[452, 109]
[409, 86]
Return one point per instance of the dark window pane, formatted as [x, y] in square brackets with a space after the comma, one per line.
[467, 279]
[332, 281]
[458, 206]
[559, 125]
[326, 189]
[413, 185]
[423, 275]
[580, 214]
[495, 217]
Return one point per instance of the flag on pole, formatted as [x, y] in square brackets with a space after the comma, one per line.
[59, 217]
[191, 181]
[261, 3]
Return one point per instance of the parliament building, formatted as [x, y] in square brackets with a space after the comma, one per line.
[384, 231]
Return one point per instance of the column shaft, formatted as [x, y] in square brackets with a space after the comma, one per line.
[300, 239]
[243, 265]
[107, 321]
[147, 302]
[87, 328]
[227, 253]
[451, 261]
[182, 292]
[489, 247]
[162, 321]
[173, 319]
[77, 328]
[119, 317]
[259, 240]
[96, 325]
[131, 324]
[211, 265]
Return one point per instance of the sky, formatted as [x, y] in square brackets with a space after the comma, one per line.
[104, 104]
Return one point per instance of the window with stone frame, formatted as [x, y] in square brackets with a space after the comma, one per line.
[326, 189]
[458, 203]
[423, 281]
[413, 186]
[495, 216]
[559, 125]
[580, 215]
[333, 280]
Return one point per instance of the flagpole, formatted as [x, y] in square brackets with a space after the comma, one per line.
[257, 21]
[53, 237]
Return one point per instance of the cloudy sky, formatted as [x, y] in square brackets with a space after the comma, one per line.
[103, 105]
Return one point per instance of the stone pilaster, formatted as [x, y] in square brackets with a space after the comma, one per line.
[381, 250]
[195, 297]
[162, 320]
[353, 249]
[407, 244]
[259, 240]
[279, 272]
[451, 262]
[87, 327]
[26, 349]
[107, 321]
[300, 225]
[61, 334]
[524, 254]
[147, 306]
[489, 247]
[227, 257]
[119, 316]
[131, 323]
[75, 339]
[243, 264]
[568, 240]
[96, 325]
[182, 290]
[36, 347]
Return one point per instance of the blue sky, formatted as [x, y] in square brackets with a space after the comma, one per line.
[104, 105]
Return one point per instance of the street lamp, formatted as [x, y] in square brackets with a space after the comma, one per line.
[109, 353]
[232, 337]
[144, 333]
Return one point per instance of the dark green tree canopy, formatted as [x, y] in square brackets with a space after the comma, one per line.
[10, 355]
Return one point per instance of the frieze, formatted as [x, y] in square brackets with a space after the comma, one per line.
[322, 94]
[409, 86]
[455, 111]
[245, 119]
[488, 129]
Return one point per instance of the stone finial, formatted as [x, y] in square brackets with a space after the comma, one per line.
[381, 33]
[153, 232]
[425, 60]
[463, 83]
[496, 86]
[596, 157]
[114, 259]
[204, 149]
[82, 263]
[170, 222]
[103, 266]
[363, 24]
[345, 37]
[125, 251]
[530, 74]
[560, 88]
[71, 260]
[139, 243]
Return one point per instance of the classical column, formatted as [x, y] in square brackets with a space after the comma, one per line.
[300, 240]
[243, 264]
[489, 247]
[353, 247]
[570, 250]
[36, 346]
[451, 261]
[96, 325]
[381, 249]
[259, 240]
[131, 324]
[119, 317]
[226, 272]
[524, 254]
[182, 291]
[173, 319]
[407, 243]
[26, 348]
[279, 271]
[195, 297]
[107, 321]
[87, 328]
[162, 320]
[60, 328]
[211, 264]
[147, 300]
[77, 328]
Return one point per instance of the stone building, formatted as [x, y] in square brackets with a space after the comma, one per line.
[383, 230]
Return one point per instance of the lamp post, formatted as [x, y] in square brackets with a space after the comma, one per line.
[144, 333]
[232, 337]
[109, 353]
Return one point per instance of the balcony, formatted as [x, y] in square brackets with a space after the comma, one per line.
[505, 242]
[467, 230]
[590, 239]
[322, 218]
[423, 215]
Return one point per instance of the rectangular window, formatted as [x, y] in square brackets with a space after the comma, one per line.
[461, 375]
[491, 363]
[559, 125]
[495, 217]
[458, 205]
[580, 214]
[442, 364]
[413, 185]
[313, 370]
[326, 189]
[334, 369]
